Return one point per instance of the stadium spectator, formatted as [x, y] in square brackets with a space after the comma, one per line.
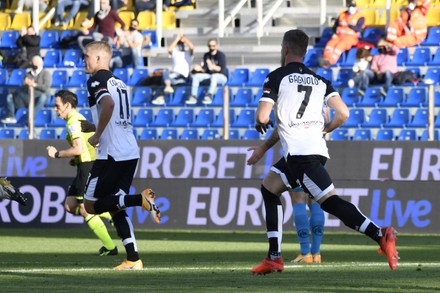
[82, 156]
[38, 78]
[176, 3]
[384, 64]
[27, 5]
[29, 46]
[103, 28]
[277, 180]
[347, 29]
[129, 42]
[144, 5]
[212, 69]
[181, 51]
[61, 8]
[300, 127]
[115, 4]
[118, 152]
[411, 27]
[362, 70]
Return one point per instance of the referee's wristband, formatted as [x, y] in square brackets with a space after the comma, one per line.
[57, 155]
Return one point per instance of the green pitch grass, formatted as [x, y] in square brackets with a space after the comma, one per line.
[49, 260]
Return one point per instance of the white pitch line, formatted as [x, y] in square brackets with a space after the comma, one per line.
[205, 268]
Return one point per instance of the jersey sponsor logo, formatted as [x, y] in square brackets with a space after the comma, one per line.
[95, 84]
[305, 124]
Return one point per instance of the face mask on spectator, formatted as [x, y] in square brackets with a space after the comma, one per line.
[411, 6]
[351, 10]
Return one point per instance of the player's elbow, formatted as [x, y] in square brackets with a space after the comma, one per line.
[344, 114]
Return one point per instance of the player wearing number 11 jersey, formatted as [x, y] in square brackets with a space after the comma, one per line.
[297, 96]
[117, 152]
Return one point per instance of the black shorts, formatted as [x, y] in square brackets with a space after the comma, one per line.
[109, 177]
[281, 169]
[311, 173]
[78, 186]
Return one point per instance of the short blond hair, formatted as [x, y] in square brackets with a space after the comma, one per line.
[100, 46]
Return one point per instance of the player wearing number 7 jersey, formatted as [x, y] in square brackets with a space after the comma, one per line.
[117, 152]
[297, 96]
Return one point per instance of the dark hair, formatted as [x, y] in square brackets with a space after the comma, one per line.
[362, 53]
[68, 97]
[296, 41]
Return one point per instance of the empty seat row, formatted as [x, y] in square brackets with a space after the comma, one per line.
[395, 97]
[381, 118]
[383, 134]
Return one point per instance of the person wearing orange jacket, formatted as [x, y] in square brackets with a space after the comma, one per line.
[347, 29]
[411, 27]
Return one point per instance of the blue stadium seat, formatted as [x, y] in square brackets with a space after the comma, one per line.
[181, 94]
[432, 76]
[63, 134]
[137, 76]
[362, 134]
[311, 58]
[72, 58]
[184, 118]
[378, 118]
[258, 77]
[245, 119]
[164, 118]
[394, 98]
[424, 135]
[242, 98]
[60, 78]
[239, 77]
[169, 133]
[58, 122]
[357, 118]
[350, 59]
[22, 117]
[399, 119]
[218, 122]
[142, 96]
[437, 120]
[327, 73]
[204, 118]
[87, 113]
[9, 39]
[340, 134]
[433, 37]
[421, 57]
[371, 98]
[4, 75]
[385, 134]
[17, 77]
[83, 100]
[218, 97]
[350, 96]
[326, 35]
[122, 74]
[49, 39]
[143, 118]
[234, 134]
[407, 134]
[372, 35]
[48, 133]
[149, 133]
[23, 134]
[52, 58]
[250, 134]
[43, 118]
[417, 97]
[436, 59]
[210, 134]
[189, 134]
[420, 119]
[403, 56]
[78, 78]
[343, 76]
[7, 133]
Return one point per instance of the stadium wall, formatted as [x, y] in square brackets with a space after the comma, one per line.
[207, 184]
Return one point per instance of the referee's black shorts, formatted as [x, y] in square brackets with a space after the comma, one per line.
[110, 177]
[78, 186]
